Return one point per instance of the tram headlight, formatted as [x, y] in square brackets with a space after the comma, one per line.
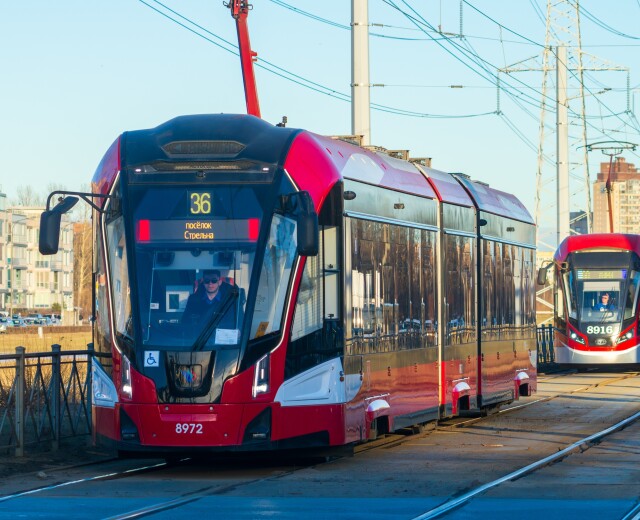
[577, 338]
[261, 376]
[126, 388]
[625, 337]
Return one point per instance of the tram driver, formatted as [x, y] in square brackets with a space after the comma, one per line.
[210, 296]
[604, 304]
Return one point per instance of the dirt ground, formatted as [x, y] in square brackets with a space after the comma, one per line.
[72, 452]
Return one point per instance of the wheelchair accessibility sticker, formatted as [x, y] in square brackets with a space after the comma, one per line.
[151, 358]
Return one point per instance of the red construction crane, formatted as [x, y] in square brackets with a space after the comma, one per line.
[239, 11]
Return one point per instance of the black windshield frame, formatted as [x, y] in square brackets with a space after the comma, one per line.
[266, 203]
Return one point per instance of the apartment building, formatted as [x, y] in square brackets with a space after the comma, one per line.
[625, 198]
[29, 280]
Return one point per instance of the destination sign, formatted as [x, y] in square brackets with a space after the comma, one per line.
[609, 274]
[197, 230]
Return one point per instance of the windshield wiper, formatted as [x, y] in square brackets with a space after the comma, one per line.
[216, 317]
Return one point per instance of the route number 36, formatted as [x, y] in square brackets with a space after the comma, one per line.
[200, 203]
[189, 428]
[595, 329]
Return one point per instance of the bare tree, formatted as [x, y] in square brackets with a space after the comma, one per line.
[51, 187]
[82, 263]
[83, 256]
[27, 196]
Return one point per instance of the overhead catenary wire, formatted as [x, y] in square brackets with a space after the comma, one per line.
[469, 53]
[449, 41]
[295, 78]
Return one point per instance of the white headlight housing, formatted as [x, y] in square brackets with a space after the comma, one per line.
[261, 376]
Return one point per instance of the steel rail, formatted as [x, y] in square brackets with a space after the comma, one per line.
[633, 513]
[82, 480]
[463, 499]
[466, 422]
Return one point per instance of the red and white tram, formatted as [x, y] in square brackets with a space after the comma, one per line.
[364, 293]
[596, 300]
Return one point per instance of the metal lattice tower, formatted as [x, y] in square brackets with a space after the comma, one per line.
[563, 181]
[562, 177]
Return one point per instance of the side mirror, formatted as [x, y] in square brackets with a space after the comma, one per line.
[308, 234]
[542, 276]
[50, 225]
[300, 205]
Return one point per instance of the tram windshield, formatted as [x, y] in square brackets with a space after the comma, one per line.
[194, 254]
[601, 295]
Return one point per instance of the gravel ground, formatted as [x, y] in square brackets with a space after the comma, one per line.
[72, 452]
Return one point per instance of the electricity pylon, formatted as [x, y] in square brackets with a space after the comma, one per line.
[562, 177]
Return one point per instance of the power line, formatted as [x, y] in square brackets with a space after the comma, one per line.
[601, 24]
[295, 78]
[382, 25]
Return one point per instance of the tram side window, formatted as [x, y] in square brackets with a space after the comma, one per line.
[528, 291]
[393, 287]
[460, 314]
[364, 295]
[414, 322]
[120, 288]
[308, 315]
[428, 292]
[330, 272]
[316, 334]
[388, 302]
[402, 296]
[488, 287]
[508, 289]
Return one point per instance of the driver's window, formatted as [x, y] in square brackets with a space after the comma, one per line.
[571, 295]
[279, 255]
[119, 277]
[559, 304]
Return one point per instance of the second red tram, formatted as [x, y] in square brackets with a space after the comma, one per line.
[358, 293]
[596, 300]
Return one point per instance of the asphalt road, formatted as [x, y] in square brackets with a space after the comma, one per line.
[403, 480]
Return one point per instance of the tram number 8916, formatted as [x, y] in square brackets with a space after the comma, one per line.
[595, 329]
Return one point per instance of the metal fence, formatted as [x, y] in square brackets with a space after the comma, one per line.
[544, 342]
[44, 397]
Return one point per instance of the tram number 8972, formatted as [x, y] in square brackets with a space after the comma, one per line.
[189, 428]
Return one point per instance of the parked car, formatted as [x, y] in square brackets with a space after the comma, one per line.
[3, 324]
[54, 318]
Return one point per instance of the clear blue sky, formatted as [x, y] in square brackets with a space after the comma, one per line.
[76, 73]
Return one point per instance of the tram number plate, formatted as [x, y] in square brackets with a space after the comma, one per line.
[599, 329]
[189, 428]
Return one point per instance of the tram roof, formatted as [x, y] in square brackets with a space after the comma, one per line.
[448, 188]
[495, 201]
[597, 241]
[361, 164]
